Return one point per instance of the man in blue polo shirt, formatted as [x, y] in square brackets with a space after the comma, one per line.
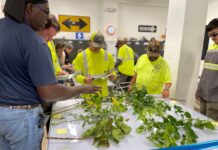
[26, 75]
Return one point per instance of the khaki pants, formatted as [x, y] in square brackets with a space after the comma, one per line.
[210, 109]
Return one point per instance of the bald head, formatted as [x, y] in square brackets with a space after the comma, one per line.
[15, 9]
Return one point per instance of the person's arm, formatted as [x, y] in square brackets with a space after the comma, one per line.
[167, 86]
[57, 92]
[136, 57]
[167, 82]
[113, 75]
[63, 57]
[197, 97]
[88, 80]
[112, 71]
[62, 73]
[41, 73]
[55, 61]
[133, 82]
[166, 90]
[118, 62]
[120, 56]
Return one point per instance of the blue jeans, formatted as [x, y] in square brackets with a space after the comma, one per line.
[20, 129]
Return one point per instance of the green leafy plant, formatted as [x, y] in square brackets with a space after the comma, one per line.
[107, 128]
[165, 130]
[161, 127]
[117, 105]
[94, 102]
[202, 124]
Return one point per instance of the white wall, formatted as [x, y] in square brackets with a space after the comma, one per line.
[127, 16]
[159, 3]
[212, 10]
[77, 8]
[132, 15]
[1, 8]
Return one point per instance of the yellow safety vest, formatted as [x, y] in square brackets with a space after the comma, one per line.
[95, 65]
[126, 54]
[56, 65]
[152, 75]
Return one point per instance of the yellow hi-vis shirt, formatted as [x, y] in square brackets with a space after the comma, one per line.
[213, 46]
[98, 65]
[54, 57]
[125, 53]
[152, 75]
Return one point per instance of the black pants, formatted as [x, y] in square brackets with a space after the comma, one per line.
[124, 78]
[123, 81]
[47, 108]
[210, 109]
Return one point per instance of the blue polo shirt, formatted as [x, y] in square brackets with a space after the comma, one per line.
[25, 63]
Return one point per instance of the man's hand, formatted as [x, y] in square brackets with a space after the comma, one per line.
[56, 92]
[88, 80]
[62, 73]
[69, 67]
[129, 88]
[112, 77]
[197, 97]
[165, 93]
[90, 89]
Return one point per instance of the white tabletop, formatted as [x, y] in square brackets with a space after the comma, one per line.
[130, 142]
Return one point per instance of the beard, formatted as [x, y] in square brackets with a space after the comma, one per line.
[152, 58]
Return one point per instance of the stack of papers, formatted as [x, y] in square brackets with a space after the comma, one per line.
[65, 77]
[100, 77]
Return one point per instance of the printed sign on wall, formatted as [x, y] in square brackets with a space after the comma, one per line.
[74, 23]
[147, 28]
[79, 35]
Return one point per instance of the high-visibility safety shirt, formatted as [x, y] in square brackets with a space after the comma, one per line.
[95, 65]
[208, 85]
[152, 75]
[126, 54]
[57, 67]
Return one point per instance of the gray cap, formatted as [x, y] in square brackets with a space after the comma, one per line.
[97, 39]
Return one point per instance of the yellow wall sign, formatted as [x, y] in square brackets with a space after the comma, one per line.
[74, 23]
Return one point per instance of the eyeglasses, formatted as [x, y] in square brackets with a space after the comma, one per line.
[154, 50]
[212, 35]
[47, 12]
[153, 53]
